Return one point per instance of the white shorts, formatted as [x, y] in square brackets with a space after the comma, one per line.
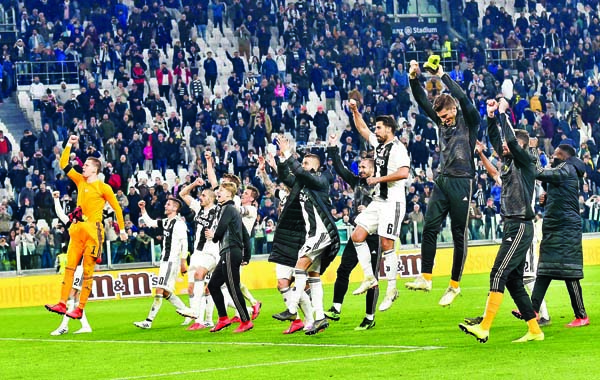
[204, 260]
[167, 274]
[78, 278]
[283, 272]
[313, 248]
[383, 217]
[531, 262]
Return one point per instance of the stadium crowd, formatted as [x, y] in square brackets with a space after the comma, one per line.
[544, 62]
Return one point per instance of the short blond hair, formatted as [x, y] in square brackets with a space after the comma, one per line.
[230, 187]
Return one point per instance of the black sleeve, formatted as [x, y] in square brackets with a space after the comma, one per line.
[422, 101]
[226, 218]
[284, 175]
[313, 182]
[246, 239]
[470, 113]
[333, 152]
[520, 155]
[494, 134]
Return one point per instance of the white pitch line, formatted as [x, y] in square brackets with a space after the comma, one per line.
[269, 364]
[271, 344]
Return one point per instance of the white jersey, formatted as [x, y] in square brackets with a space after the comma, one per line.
[249, 214]
[206, 219]
[313, 222]
[388, 159]
[175, 240]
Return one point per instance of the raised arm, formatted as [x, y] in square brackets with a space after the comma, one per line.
[419, 93]
[470, 113]
[333, 152]
[314, 182]
[65, 163]
[210, 171]
[492, 122]
[147, 219]
[185, 192]
[359, 122]
[262, 174]
[521, 156]
[491, 170]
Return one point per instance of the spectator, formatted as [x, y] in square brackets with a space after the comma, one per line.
[37, 90]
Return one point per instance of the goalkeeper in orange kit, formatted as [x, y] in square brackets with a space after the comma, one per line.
[86, 231]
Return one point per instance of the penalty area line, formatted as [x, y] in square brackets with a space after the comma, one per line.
[270, 364]
[265, 344]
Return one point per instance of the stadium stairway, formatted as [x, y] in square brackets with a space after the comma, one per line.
[14, 121]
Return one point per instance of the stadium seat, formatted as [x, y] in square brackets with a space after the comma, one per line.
[182, 173]
[155, 174]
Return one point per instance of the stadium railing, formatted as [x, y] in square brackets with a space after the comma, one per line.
[51, 73]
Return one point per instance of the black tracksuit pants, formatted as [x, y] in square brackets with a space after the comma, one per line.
[228, 272]
[450, 195]
[507, 271]
[573, 287]
[348, 263]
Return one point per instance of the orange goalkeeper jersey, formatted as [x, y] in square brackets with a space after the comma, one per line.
[91, 197]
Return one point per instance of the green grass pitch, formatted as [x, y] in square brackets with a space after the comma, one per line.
[415, 339]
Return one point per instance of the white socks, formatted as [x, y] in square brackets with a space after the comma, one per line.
[390, 262]
[286, 295]
[158, 299]
[176, 301]
[300, 276]
[197, 303]
[307, 307]
[364, 258]
[210, 308]
[316, 290]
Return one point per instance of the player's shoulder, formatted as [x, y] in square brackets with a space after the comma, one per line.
[398, 146]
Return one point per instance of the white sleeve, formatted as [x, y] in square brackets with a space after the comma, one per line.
[400, 157]
[149, 221]
[195, 206]
[60, 213]
[180, 236]
[373, 140]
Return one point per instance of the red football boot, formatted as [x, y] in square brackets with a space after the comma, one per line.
[579, 322]
[296, 325]
[221, 324]
[244, 326]
[59, 308]
[76, 314]
[256, 310]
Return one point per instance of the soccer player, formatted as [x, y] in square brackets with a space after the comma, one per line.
[384, 215]
[234, 245]
[173, 257]
[245, 205]
[561, 255]
[205, 254]
[454, 183]
[362, 198]
[518, 182]
[285, 247]
[322, 241]
[529, 272]
[87, 233]
[73, 300]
